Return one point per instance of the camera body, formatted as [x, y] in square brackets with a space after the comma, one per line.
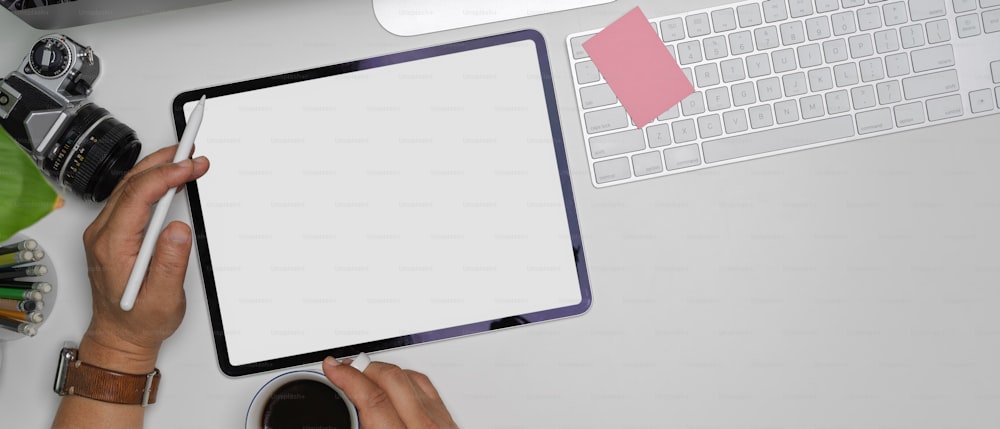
[43, 106]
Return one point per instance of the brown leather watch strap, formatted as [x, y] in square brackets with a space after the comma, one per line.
[105, 385]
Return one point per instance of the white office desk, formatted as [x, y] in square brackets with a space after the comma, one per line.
[848, 286]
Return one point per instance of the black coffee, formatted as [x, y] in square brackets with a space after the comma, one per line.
[306, 404]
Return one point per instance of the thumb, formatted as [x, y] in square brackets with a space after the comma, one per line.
[375, 409]
[170, 259]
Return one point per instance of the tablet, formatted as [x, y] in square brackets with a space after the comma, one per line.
[384, 202]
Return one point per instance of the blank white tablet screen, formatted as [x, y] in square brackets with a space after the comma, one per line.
[384, 202]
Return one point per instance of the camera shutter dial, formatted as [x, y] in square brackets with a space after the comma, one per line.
[50, 58]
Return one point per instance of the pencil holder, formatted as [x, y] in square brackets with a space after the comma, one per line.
[27, 287]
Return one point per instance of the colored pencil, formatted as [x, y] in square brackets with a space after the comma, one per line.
[17, 258]
[23, 316]
[29, 271]
[7, 293]
[21, 245]
[43, 287]
[39, 254]
[20, 305]
[25, 328]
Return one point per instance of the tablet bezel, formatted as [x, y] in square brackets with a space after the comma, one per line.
[201, 239]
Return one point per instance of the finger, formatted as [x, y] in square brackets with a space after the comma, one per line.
[168, 266]
[403, 394]
[375, 409]
[422, 382]
[162, 156]
[131, 213]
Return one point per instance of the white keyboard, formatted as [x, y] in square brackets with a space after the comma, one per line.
[778, 76]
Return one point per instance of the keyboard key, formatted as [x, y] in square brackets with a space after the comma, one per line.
[733, 70]
[843, 23]
[810, 56]
[658, 135]
[605, 120]
[694, 104]
[894, 13]
[869, 18]
[872, 69]
[758, 65]
[647, 163]
[964, 5]
[930, 84]
[932, 58]
[715, 48]
[736, 121]
[852, 3]
[786, 111]
[761, 117]
[792, 33]
[682, 157]
[707, 75]
[863, 97]
[846, 74]
[783, 60]
[689, 52]
[766, 37]
[837, 102]
[989, 3]
[820, 79]
[586, 72]
[723, 20]
[981, 101]
[769, 89]
[684, 131]
[717, 99]
[968, 25]
[812, 106]
[938, 31]
[926, 9]
[995, 69]
[818, 28]
[945, 108]
[991, 21]
[698, 25]
[912, 36]
[689, 75]
[774, 10]
[827, 5]
[861, 46]
[673, 113]
[889, 92]
[617, 143]
[886, 41]
[874, 121]
[909, 114]
[778, 139]
[612, 170]
[597, 96]
[794, 84]
[744, 94]
[672, 29]
[741, 43]
[577, 44]
[749, 15]
[897, 65]
[835, 51]
[800, 8]
[710, 126]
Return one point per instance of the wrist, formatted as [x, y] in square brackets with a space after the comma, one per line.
[117, 355]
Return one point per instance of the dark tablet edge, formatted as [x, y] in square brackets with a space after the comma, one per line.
[222, 352]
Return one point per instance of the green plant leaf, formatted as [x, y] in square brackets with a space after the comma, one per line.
[25, 195]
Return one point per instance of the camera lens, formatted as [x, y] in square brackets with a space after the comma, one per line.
[94, 153]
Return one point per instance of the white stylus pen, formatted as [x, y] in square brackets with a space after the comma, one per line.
[160, 214]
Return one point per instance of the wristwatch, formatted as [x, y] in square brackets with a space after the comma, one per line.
[74, 377]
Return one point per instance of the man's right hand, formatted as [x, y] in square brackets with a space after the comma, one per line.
[388, 397]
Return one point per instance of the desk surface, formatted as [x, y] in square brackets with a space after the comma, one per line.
[848, 286]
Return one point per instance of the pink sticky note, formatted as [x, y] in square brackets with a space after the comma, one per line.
[638, 67]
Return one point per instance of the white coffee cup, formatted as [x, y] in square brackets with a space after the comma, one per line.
[255, 414]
